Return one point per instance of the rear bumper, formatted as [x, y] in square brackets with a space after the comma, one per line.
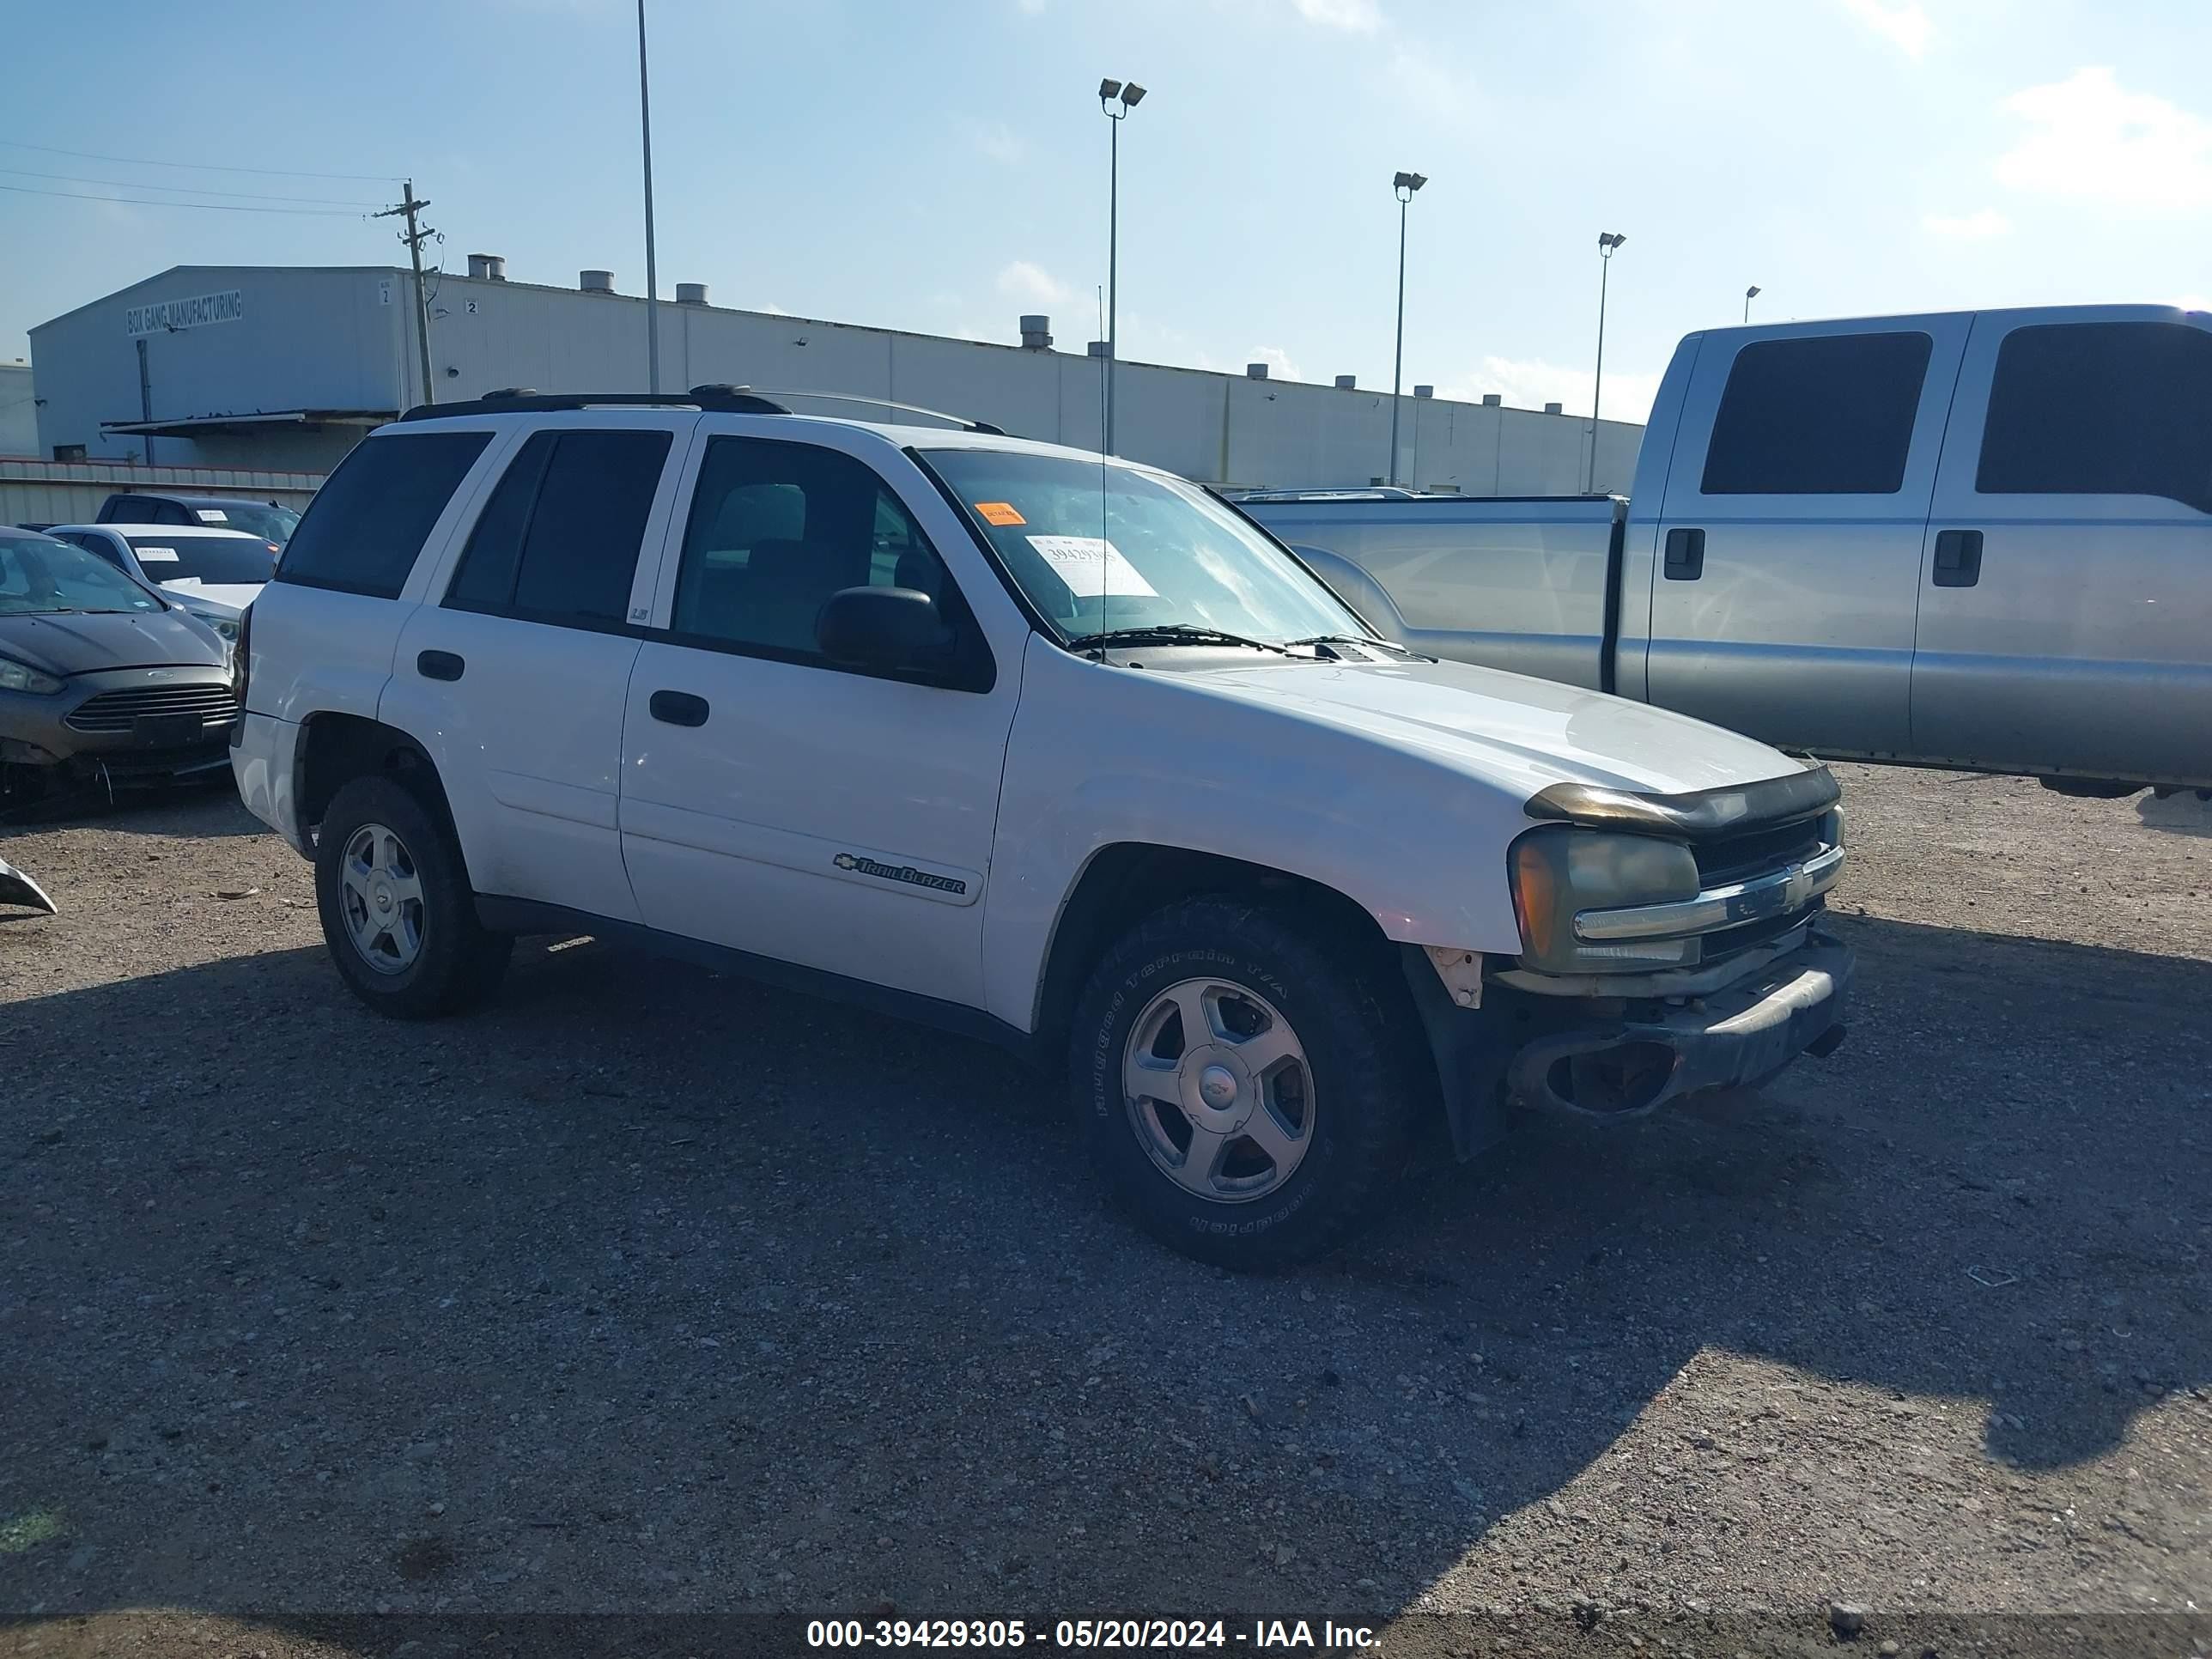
[264, 759]
[1652, 1053]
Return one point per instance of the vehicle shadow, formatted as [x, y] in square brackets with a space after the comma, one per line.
[647, 1291]
[177, 809]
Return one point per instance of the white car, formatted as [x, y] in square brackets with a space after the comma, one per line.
[213, 573]
[1051, 749]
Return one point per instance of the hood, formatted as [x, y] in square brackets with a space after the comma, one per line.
[227, 596]
[1521, 734]
[79, 644]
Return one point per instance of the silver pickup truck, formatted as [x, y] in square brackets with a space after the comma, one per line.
[1971, 539]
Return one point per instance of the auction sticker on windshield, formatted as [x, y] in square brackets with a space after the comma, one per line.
[1091, 564]
[1000, 514]
[157, 556]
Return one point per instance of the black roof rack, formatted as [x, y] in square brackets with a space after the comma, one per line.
[528, 400]
[720, 399]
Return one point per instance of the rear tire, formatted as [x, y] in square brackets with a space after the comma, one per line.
[1270, 1138]
[398, 913]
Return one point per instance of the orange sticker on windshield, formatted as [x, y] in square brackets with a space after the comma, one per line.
[999, 513]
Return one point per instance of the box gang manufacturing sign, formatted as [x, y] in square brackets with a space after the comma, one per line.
[168, 315]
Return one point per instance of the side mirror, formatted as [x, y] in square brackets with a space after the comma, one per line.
[892, 628]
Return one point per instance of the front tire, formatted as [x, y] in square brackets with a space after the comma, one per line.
[398, 915]
[1244, 1082]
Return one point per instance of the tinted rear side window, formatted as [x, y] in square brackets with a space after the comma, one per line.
[2102, 409]
[558, 541]
[363, 530]
[1828, 416]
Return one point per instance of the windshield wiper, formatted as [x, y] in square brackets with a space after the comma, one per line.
[1356, 639]
[1173, 634]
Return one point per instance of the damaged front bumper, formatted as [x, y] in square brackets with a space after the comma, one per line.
[1650, 1052]
[1625, 1056]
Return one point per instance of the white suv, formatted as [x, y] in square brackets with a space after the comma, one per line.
[1038, 746]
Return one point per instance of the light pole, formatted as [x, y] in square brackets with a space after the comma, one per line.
[652, 271]
[1404, 185]
[1749, 294]
[1111, 93]
[1608, 240]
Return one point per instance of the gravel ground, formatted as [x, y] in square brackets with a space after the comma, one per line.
[645, 1290]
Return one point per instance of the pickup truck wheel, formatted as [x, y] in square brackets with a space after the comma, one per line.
[398, 915]
[1241, 1082]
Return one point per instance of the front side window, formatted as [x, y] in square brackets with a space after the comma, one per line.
[775, 528]
[214, 560]
[558, 541]
[1830, 415]
[2102, 409]
[1099, 546]
[366, 525]
[41, 576]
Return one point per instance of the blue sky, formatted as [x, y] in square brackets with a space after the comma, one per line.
[940, 165]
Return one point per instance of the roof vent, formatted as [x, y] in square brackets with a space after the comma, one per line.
[1100, 349]
[1552, 408]
[1347, 382]
[690, 293]
[1255, 371]
[488, 267]
[1036, 333]
[1424, 391]
[596, 282]
[1491, 399]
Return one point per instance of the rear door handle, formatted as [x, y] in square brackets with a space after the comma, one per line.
[1958, 558]
[1686, 555]
[439, 666]
[678, 708]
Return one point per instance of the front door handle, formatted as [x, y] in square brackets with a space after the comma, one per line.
[1958, 558]
[1686, 555]
[678, 708]
[439, 666]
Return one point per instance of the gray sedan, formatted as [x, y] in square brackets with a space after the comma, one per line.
[102, 679]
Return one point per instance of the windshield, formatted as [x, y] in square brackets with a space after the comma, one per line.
[1099, 546]
[41, 576]
[271, 523]
[220, 561]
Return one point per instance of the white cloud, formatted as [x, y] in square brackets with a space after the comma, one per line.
[770, 308]
[1530, 383]
[1900, 22]
[1354, 16]
[1978, 226]
[2090, 139]
[1422, 82]
[1033, 284]
[998, 141]
[1279, 366]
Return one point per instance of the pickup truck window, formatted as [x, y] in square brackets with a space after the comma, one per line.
[2102, 409]
[1098, 544]
[775, 528]
[558, 540]
[1827, 414]
[368, 522]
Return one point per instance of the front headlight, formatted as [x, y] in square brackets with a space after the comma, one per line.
[15, 677]
[223, 624]
[1557, 871]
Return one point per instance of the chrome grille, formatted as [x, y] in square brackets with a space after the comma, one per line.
[120, 711]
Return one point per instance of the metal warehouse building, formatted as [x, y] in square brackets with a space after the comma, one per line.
[286, 367]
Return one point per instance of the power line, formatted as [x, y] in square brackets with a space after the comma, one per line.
[197, 166]
[211, 207]
[190, 190]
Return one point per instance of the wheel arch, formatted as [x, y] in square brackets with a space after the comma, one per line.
[336, 748]
[1124, 881]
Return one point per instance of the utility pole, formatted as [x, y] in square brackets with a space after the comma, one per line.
[651, 272]
[415, 236]
[1404, 185]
